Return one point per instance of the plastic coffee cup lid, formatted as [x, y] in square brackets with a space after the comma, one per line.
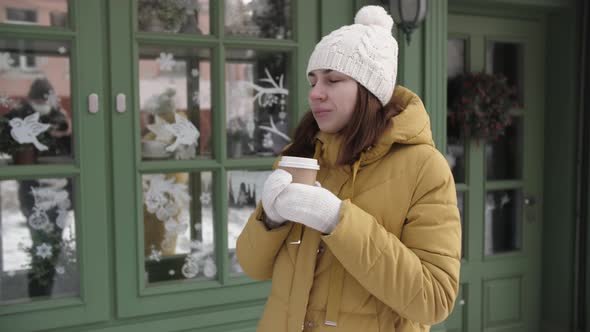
[298, 162]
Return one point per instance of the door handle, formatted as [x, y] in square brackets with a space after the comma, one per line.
[121, 103]
[93, 103]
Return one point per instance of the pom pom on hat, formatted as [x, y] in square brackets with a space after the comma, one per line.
[374, 15]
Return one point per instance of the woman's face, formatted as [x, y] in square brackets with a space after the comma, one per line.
[332, 99]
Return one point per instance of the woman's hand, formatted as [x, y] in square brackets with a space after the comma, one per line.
[312, 206]
[273, 186]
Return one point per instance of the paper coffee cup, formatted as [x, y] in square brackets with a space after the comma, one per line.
[303, 170]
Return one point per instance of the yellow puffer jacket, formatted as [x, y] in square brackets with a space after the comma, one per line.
[392, 262]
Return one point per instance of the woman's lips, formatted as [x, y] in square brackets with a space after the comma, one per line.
[320, 112]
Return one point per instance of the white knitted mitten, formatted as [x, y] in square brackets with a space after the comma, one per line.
[276, 182]
[312, 206]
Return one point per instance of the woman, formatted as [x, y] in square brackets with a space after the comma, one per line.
[376, 247]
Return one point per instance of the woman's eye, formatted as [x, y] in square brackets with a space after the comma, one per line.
[333, 81]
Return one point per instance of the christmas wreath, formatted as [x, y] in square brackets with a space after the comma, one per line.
[480, 105]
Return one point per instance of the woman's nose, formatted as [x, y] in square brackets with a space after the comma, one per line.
[317, 93]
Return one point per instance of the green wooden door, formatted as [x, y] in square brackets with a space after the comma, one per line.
[500, 182]
[53, 179]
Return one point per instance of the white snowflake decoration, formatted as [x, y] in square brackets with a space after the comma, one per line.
[186, 133]
[166, 61]
[250, 127]
[210, 269]
[153, 200]
[171, 272]
[205, 199]
[26, 130]
[184, 243]
[190, 269]
[174, 228]
[196, 97]
[51, 195]
[60, 269]
[196, 244]
[44, 251]
[267, 141]
[183, 217]
[6, 101]
[38, 220]
[6, 61]
[48, 228]
[155, 255]
[268, 96]
[62, 219]
[194, 72]
[169, 242]
[62, 50]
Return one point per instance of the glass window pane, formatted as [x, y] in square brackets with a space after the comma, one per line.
[461, 205]
[175, 103]
[174, 16]
[256, 103]
[258, 18]
[244, 188]
[35, 102]
[503, 221]
[178, 226]
[456, 145]
[37, 240]
[507, 59]
[504, 156]
[35, 12]
[456, 57]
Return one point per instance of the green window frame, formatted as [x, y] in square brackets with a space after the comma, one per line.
[134, 296]
[88, 171]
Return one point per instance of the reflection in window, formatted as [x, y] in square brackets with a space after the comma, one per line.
[508, 59]
[461, 205]
[256, 103]
[175, 102]
[178, 226]
[504, 156]
[37, 239]
[258, 18]
[456, 151]
[503, 221]
[244, 188]
[175, 16]
[35, 102]
[456, 57]
[45, 13]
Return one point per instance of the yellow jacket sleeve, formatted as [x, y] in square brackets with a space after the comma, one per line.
[257, 246]
[417, 275]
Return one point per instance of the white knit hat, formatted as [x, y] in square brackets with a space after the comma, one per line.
[365, 51]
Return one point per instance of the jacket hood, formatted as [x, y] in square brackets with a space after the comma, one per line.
[410, 127]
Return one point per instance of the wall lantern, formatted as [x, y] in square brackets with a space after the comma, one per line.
[408, 14]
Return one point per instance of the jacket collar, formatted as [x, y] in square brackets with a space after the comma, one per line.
[411, 126]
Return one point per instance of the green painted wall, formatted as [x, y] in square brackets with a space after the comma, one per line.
[560, 179]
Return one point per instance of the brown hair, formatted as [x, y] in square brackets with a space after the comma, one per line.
[368, 122]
